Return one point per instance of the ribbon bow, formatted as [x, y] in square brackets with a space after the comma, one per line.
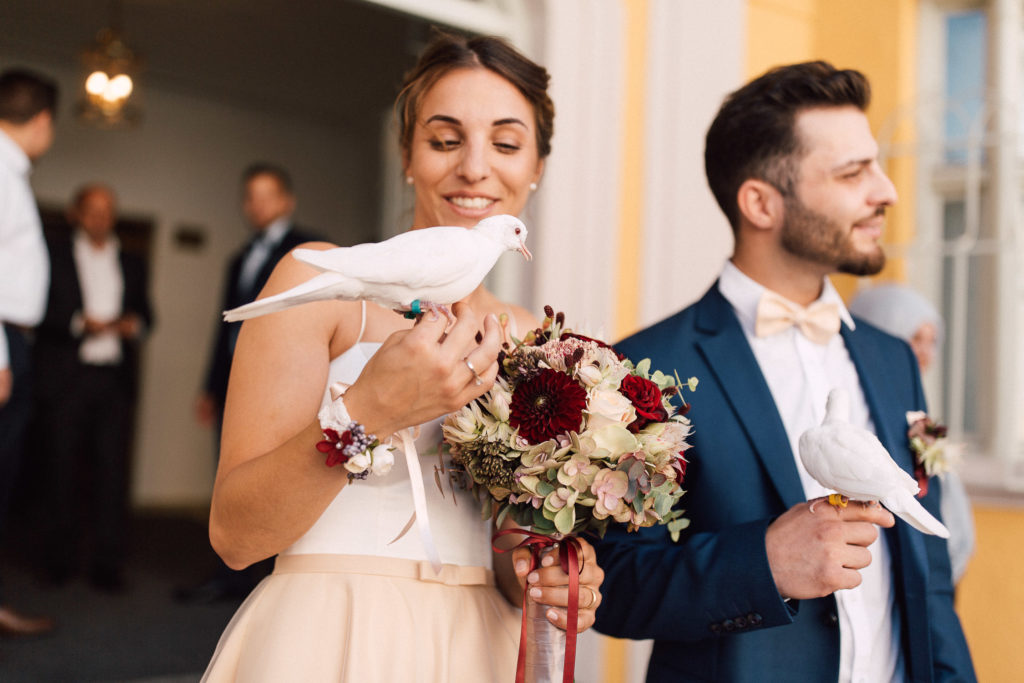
[819, 322]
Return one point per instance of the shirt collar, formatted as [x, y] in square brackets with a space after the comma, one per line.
[744, 293]
[81, 241]
[275, 232]
[14, 156]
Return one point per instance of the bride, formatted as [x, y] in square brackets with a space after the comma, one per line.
[344, 603]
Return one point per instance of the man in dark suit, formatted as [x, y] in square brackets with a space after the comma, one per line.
[86, 365]
[268, 203]
[760, 587]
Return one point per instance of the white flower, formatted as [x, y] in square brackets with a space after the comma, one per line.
[914, 416]
[334, 416]
[359, 463]
[383, 458]
[609, 407]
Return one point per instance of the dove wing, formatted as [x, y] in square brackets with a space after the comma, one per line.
[417, 258]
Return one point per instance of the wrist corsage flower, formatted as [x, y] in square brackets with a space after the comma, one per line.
[933, 453]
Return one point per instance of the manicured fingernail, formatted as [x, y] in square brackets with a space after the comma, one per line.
[533, 577]
[547, 561]
[552, 615]
[521, 566]
[534, 592]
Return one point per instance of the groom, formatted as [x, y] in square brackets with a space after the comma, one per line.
[760, 588]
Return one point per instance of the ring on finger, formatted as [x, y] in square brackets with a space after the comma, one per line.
[476, 377]
[593, 597]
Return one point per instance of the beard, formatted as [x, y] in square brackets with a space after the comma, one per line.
[816, 237]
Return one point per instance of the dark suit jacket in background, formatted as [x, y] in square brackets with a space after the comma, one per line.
[709, 601]
[219, 367]
[56, 349]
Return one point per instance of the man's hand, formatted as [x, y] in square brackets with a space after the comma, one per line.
[6, 384]
[813, 554]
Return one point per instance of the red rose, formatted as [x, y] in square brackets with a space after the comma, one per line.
[546, 405]
[646, 399]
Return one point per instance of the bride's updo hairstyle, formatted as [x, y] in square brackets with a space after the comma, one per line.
[447, 52]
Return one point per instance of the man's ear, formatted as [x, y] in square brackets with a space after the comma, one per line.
[761, 204]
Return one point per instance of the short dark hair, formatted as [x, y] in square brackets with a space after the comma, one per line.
[283, 178]
[447, 52]
[753, 134]
[24, 94]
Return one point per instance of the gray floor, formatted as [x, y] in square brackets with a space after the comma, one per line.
[139, 635]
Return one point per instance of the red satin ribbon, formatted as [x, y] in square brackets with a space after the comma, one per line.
[570, 562]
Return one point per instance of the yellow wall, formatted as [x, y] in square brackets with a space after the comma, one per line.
[990, 598]
[877, 37]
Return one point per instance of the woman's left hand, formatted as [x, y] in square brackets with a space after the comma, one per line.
[549, 585]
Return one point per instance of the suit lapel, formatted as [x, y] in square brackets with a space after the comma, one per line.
[728, 355]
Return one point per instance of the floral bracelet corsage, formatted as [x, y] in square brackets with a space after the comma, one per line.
[933, 454]
[346, 442]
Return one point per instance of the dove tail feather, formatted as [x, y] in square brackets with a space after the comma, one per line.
[325, 286]
[905, 506]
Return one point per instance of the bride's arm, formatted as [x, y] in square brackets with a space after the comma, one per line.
[272, 484]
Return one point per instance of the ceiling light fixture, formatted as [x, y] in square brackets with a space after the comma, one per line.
[110, 66]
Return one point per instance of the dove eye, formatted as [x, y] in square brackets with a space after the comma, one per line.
[518, 231]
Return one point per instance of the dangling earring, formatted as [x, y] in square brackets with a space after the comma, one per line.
[408, 180]
[533, 187]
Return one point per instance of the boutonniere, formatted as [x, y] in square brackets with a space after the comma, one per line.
[933, 454]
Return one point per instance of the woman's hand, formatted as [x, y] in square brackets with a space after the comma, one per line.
[549, 585]
[423, 373]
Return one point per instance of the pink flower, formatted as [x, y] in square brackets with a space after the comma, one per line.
[609, 486]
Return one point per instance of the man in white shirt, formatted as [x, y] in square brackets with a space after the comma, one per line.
[86, 368]
[759, 586]
[28, 104]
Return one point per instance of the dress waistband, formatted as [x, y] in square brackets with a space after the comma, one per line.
[451, 574]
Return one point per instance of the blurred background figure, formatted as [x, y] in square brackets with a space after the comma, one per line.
[268, 202]
[86, 365]
[904, 313]
[28, 103]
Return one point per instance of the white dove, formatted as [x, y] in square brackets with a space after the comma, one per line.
[431, 267]
[852, 461]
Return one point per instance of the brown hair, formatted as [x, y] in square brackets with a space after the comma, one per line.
[447, 52]
[24, 93]
[753, 134]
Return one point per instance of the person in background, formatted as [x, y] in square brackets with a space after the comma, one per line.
[28, 105]
[905, 313]
[86, 368]
[268, 202]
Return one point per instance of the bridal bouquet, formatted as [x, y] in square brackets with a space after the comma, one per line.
[573, 435]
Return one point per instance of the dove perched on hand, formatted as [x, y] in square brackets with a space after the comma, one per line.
[852, 461]
[433, 267]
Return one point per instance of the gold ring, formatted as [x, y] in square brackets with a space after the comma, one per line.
[469, 365]
[593, 597]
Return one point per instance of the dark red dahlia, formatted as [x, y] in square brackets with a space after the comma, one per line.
[546, 405]
[646, 399]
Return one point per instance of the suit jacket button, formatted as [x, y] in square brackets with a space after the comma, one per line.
[741, 622]
[831, 619]
[754, 618]
[729, 625]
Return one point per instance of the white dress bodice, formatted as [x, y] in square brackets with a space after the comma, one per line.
[367, 514]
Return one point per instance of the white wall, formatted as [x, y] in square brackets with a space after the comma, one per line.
[182, 166]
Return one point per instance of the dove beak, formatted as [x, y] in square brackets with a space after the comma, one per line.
[525, 252]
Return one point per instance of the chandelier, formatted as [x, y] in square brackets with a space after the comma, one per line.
[110, 66]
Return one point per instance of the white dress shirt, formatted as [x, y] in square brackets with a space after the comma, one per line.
[800, 375]
[24, 260]
[102, 285]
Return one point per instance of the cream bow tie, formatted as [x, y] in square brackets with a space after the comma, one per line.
[818, 322]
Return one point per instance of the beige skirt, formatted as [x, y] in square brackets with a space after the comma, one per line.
[367, 619]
